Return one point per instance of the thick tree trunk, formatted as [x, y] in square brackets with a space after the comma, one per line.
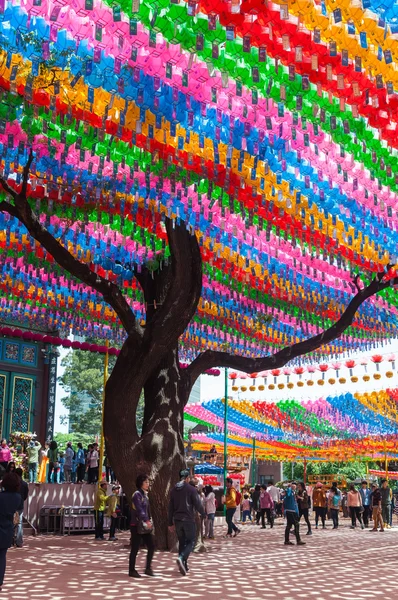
[159, 452]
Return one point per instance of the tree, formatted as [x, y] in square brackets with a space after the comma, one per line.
[83, 380]
[149, 359]
[348, 470]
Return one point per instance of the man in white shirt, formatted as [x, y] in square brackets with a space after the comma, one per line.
[274, 492]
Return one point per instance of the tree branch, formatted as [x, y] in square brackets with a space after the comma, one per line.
[211, 359]
[180, 289]
[110, 292]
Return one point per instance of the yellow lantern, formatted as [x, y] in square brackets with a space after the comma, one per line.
[290, 386]
[320, 382]
[377, 376]
[271, 386]
[354, 379]
[389, 374]
[243, 388]
[342, 380]
[235, 388]
[310, 382]
[366, 377]
[300, 383]
[261, 388]
[332, 381]
[281, 386]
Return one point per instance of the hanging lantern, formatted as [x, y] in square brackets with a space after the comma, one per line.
[354, 379]
[337, 367]
[350, 364]
[310, 382]
[290, 386]
[271, 386]
[389, 374]
[331, 381]
[252, 388]
[243, 388]
[287, 372]
[261, 388]
[377, 359]
[391, 359]
[321, 382]
[299, 371]
[275, 373]
[281, 386]
[342, 380]
[377, 376]
[323, 369]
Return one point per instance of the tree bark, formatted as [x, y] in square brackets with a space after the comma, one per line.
[159, 451]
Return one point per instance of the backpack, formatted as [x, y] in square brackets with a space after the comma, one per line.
[238, 498]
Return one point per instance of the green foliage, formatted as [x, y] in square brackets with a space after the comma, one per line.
[83, 381]
[348, 470]
[63, 438]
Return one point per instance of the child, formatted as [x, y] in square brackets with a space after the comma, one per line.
[246, 508]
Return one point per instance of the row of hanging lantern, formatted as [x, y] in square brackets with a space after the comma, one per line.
[299, 371]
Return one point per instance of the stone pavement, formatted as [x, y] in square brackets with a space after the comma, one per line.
[344, 564]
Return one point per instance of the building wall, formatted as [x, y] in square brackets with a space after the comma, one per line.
[24, 379]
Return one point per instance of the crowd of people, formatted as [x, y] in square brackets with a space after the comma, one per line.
[54, 464]
[192, 507]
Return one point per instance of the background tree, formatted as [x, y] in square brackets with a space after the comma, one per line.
[83, 380]
[149, 359]
[348, 470]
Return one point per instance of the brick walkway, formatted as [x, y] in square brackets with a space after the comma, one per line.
[334, 564]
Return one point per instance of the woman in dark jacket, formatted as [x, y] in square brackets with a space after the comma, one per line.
[10, 502]
[256, 503]
[141, 526]
[303, 502]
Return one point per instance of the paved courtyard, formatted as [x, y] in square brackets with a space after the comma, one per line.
[334, 564]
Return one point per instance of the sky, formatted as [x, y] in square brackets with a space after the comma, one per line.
[213, 387]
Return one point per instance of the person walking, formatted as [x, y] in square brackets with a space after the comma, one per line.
[266, 507]
[80, 463]
[53, 462]
[354, 504]
[230, 505]
[141, 527]
[5, 454]
[10, 501]
[24, 493]
[386, 495]
[303, 501]
[32, 453]
[99, 510]
[292, 515]
[334, 502]
[319, 502]
[210, 510]
[184, 500]
[68, 464]
[365, 493]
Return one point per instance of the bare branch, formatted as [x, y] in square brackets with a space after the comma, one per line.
[181, 288]
[211, 359]
[110, 292]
